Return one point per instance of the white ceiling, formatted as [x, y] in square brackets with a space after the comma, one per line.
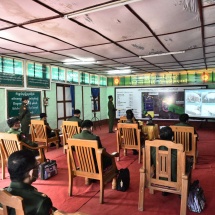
[114, 37]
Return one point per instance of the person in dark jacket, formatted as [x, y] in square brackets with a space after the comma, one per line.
[50, 132]
[111, 113]
[23, 170]
[25, 116]
[76, 117]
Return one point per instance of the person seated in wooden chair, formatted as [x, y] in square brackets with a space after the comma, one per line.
[166, 133]
[184, 118]
[76, 117]
[50, 132]
[130, 119]
[23, 170]
[86, 134]
[14, 124]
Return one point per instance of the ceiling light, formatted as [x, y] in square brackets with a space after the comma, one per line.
[100, 7]
[162, 54]
[79, 62]
[119, 71]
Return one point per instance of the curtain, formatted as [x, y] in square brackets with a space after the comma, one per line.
[72, 93]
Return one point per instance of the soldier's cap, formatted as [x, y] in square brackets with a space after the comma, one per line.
[42, 115]
[11, 121]
[25, 98]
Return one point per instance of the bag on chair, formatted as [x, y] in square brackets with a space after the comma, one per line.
[196, 199]
[47, 169]
[123, 180]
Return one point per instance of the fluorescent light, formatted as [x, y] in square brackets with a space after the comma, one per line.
[100, 7]
[79, 62]
[119, 71]
[162, 54]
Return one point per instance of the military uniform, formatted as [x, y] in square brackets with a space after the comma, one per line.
[86, 135]
[35, 203]
[24, 139]
[76, 119]
[111, 114]
[25, 118]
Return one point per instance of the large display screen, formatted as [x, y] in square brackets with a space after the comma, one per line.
[200, 103]
[160, 102]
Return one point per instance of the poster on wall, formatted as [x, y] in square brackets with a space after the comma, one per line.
[161, 103]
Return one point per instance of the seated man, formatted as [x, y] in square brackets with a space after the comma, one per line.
[50, 132]
[166, 133]
[23, 170]
[76, 117]
[86, 134]
[14, 125]
[130, 117]
[183, 118]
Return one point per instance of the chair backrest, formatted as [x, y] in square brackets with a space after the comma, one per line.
[85, 160]
[124, 118]
[8, 200]
[9, 143]
[38, 131]
[162, 177]
[70, 128]
[130, 134]
[185, 136]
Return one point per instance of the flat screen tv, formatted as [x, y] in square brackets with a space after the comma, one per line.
[200, 103]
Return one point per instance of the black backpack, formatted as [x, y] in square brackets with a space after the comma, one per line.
[196, 199]
[123, 180]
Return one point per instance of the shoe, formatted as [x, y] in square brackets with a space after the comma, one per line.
[111, 132]
[165, 194]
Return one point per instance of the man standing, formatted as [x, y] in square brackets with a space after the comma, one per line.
[111, 113]
[76, 117]
[25, 116]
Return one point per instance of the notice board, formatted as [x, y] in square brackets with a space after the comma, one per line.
[14, 101]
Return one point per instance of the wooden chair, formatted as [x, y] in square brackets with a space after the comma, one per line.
[39, 133]
[84, 163]
[124, 118]
[185, 135]
[163, 170]
[69, 128]
[10, 143]
[128, 137]
[8, 200]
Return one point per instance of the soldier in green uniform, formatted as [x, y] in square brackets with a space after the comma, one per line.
[76, 117]
[25, 116]
[14, 125]
[23, 170]
[86, 134]
[111, 113]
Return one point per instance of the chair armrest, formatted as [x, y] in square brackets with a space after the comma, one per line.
[33, 148]
[103, 152]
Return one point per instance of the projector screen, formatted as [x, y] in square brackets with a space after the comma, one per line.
[159, 102]
[200, 103]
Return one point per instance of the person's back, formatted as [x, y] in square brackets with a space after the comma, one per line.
[86, 134]
[76, 117]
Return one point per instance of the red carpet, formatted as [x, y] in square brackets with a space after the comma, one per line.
[86, 198]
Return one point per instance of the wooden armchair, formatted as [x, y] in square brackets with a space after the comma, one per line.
[161, 178]
[69, 128]
[39, 133]
[10, 143]
[86, 161]
[185, 135]
[128, 137]
[8, 200]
